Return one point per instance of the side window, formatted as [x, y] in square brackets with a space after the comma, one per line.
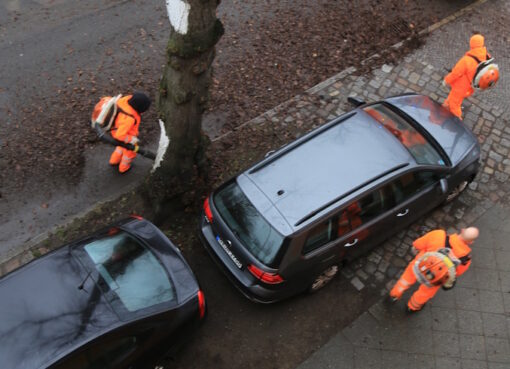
[349, 218]
[411, 183]
[320, 235]
[102, 355]
[374, 204]
[344, 222]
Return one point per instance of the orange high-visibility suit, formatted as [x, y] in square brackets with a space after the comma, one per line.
[126, 130]
[432, 241]
[461, 76]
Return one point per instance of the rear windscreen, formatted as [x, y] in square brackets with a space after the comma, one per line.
[131, 275]
[256, 234]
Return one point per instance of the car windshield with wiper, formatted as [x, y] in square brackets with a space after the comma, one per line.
[246, 222]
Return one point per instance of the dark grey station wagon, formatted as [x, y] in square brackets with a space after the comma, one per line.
[286, 225]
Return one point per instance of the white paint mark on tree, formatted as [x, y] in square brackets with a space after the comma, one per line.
[178, 11]
[164, 141]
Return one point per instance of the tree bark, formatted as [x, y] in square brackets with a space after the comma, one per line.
[181, 100]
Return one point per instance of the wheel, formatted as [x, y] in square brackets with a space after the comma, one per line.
[453, 194]
[324, 278]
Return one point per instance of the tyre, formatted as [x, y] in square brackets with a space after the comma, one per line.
[453, 194]
[324, 278]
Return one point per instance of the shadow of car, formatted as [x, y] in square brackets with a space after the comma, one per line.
[120, 298]
[286, 224]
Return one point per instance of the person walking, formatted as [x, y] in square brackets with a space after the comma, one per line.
[469, 72]
[440, 259]
[126, 127]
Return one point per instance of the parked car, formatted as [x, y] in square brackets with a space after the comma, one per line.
[286, 224]
[120, 298]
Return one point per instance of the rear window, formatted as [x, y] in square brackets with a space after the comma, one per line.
[132, 278]
[256, 234]
[421, 150]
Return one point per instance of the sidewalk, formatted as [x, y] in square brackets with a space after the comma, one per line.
[468, 327]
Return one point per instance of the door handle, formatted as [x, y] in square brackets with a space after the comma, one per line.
[404, 213]
[352, 243]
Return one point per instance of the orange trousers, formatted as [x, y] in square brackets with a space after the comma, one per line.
[420, 296]
[454, 101]
[123, 157]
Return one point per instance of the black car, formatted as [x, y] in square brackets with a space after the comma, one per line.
[120, 298]
[286, 224]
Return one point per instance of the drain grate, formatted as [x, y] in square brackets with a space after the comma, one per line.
[399, 26]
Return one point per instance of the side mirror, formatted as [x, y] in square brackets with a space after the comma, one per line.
[444, 185]
[355, 101]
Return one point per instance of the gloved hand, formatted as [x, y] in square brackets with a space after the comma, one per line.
[134, 140]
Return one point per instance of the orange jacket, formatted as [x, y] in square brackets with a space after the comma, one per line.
[127, 122]
[435, 240]
[461, 76]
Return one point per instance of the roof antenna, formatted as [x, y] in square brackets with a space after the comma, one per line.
[80, 287]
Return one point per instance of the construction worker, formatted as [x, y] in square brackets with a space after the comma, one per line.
[462, 76]
[125, 127]
[434, 244]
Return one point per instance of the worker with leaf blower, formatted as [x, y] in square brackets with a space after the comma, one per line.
[475, 70]
[121, 116]
[440, 260]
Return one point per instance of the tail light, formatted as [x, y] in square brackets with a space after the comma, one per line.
[269, 278]
[201, 304]
[207, 210]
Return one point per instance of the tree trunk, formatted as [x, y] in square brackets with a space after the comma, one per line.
[182, 98]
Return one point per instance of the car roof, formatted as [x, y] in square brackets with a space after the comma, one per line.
[323, 166]
[45, 314]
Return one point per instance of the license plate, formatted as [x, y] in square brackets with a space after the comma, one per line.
[226, 248]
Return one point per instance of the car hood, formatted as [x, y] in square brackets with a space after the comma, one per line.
[44, 313]
[449, 131]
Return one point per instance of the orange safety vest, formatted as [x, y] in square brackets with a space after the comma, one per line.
[127, 123]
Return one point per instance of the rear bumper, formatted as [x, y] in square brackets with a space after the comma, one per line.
[238, 277]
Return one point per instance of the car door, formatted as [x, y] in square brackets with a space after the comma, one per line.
[104, 353]
[323, 244]
[319, 246]
[371, 221]
[415, 194]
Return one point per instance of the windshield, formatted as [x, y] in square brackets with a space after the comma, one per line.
[131, 275]
[421, 150]
[259, 238]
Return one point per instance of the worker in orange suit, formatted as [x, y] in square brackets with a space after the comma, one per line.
[126, 127]
[456, 246]
[460, 79]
